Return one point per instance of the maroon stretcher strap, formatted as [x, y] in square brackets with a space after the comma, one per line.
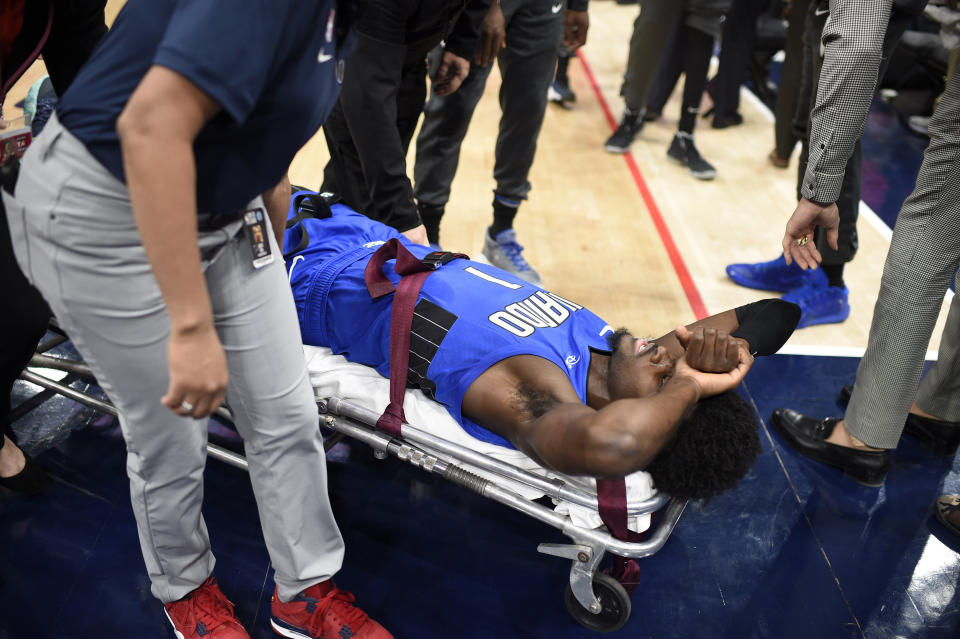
[612, 505]
[611, 493]
[30, 58]
[413, 272]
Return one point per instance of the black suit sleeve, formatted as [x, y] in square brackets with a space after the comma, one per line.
[462, 40]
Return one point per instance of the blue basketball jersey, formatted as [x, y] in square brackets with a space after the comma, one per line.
[468, 317]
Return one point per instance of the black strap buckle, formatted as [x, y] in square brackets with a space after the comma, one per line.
[436, 259]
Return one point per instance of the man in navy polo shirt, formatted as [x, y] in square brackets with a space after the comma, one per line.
[143, 215]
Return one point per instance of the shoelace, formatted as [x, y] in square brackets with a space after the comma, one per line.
[512, 250]
[692, 153]
[342, 601]
[213, 609]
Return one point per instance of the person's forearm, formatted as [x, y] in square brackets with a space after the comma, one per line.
[619, 439]
[160, 172]
[852, 45]
[725, 321]
[277, 201]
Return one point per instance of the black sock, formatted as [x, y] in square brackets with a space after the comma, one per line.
[561, 76]
[834, 273]
[504, 211]
[688, 119]
[430, 215]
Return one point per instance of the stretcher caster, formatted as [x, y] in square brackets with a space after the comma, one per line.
[614, 605]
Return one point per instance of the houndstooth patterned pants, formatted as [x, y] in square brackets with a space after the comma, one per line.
[924, 256]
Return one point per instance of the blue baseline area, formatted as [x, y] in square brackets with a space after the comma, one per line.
[892, 155]
[795, 551]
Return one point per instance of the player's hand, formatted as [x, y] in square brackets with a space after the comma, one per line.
[575, 32]
[714, 383]
[198, 372]
[493, 36]
[798, 241]
[711, 351]
[451, 73]
[417, 235]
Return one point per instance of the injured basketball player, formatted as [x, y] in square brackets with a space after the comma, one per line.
[520, 366]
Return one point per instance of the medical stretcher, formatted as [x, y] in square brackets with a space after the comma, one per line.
[595, 599]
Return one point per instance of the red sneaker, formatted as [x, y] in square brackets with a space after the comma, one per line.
[323, 611]
[205, 614]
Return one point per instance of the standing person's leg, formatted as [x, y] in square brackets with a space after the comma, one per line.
[270, 397]
[697, 49]
[647, 45]
[923, 258]
[739, 36]
[411, 98]
[788, 92]
[343, 173]
[78, 243]
[560, 91]
[665, 81]
[101, 285]
[445, 123]
[20, 330]
[939, 392]
[651, 31]
[526, 66]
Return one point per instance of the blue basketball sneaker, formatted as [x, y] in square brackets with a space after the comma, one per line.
[775, 275]
[820, 304]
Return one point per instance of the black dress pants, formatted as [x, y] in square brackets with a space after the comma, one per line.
[22, 324]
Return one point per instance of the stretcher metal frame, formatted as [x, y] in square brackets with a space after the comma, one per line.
[594, 599]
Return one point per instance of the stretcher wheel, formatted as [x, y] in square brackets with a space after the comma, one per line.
[614, 605]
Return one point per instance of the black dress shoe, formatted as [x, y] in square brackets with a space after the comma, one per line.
[943, 438]
[723, 121]
[808, 437]
[31, 480]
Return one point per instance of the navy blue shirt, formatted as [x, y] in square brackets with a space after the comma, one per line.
[274, 66]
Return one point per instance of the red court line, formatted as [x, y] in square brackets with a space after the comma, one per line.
[686, 281]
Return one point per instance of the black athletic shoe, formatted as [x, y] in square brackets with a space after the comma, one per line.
[683, 151]
[630, 126]
[723, 121]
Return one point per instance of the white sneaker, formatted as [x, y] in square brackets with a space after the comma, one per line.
[919, 124]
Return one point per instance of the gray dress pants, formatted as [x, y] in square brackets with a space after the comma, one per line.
[534, 31]
[76, 240]
[924, 256]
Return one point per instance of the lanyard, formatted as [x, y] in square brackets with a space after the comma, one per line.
[28, 61]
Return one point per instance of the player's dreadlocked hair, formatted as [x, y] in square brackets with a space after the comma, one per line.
[713, 449]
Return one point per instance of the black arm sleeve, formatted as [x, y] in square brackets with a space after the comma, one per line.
[462, 39]
[767, 324]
